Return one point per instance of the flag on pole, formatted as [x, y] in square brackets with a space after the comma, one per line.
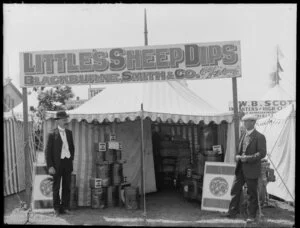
[279, 67]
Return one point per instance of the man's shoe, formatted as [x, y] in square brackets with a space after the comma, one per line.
[67, 211]
[230, 215]
[56, 213]
[250, 220]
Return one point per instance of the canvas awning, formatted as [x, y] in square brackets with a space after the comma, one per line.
[162, 101]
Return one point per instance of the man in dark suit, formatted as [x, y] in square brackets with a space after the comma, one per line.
[252, 148]
[59, 158]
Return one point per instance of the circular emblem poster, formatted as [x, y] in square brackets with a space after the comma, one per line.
[46, 187]
[218, 186]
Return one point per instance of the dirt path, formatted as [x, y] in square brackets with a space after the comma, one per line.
[163, 209]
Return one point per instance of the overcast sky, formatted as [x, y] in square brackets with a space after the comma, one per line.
[260, 28]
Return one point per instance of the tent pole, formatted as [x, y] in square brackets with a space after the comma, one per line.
[26, 148]
[235, 111]
[143, 202]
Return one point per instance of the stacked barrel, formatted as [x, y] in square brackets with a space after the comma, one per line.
[107, 184]
[73, 193]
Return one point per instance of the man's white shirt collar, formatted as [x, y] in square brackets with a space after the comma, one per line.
[249, 132]
[61, 129]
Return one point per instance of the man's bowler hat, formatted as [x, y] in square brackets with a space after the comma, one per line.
[61, 115]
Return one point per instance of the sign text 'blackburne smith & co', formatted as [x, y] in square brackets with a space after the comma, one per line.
[137, 64]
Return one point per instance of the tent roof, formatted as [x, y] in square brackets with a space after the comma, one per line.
[164, 100]
[276, 93]
[18, 110]
[280, 115]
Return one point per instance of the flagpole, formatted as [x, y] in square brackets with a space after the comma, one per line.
[277, 78]
[142, 134]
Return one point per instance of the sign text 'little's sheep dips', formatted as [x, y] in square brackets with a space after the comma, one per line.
[136, 64]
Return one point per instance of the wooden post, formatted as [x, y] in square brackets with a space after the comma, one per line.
[236, 116]
[28, 178]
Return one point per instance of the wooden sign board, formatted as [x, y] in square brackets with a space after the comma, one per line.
[217, 184]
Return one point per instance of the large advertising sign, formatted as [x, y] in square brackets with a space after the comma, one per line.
[132, 64]
[261, 108]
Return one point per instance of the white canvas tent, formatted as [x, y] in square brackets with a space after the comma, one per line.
[276, 93]
[14, 157]
[32, 101]
[162, 101]
[279, 130]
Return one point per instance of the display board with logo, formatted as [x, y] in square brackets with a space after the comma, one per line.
[217, 183]
[42, 189]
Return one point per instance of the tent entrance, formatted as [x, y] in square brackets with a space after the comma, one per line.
[179, 147]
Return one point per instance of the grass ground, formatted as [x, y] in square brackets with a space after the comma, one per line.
[162, 209]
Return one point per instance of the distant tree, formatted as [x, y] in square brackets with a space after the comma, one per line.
[49, 100]
[54, 99]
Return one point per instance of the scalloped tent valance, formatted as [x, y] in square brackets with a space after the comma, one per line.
[162, 101]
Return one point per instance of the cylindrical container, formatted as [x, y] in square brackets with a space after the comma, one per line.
[200, 161]
[98, 198]
[213, 158]
[186, 190]
[103, 170]
[193, 189]
[117, 173]
[112, 196]
[110, 155]
[118, 155]
[73, 198]
[131, 198]
[122, 187]
[73, 181]
[95, 197]
[264, 167]
[189, 172]
[100, 156]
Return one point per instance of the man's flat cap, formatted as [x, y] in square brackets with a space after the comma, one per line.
[249, 117]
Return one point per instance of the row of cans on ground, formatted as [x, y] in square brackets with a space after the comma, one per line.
[122, 195]
[107, 174]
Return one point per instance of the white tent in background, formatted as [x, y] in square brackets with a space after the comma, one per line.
[279, 130]
[168, 102]
[32, 101]
[276, 93]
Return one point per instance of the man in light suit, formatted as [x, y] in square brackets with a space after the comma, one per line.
[59, 157]
[252, 148]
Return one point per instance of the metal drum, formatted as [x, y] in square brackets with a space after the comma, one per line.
[213, 158]
[73, 198]
[131, 198]
[117, 173]
[111, 155]
[103, 170]
[73, 181]
[118, 155]
[100, 156]
[98, 198]
[112, 196]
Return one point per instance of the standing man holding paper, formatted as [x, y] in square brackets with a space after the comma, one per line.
[59, 158]
[252, 148]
